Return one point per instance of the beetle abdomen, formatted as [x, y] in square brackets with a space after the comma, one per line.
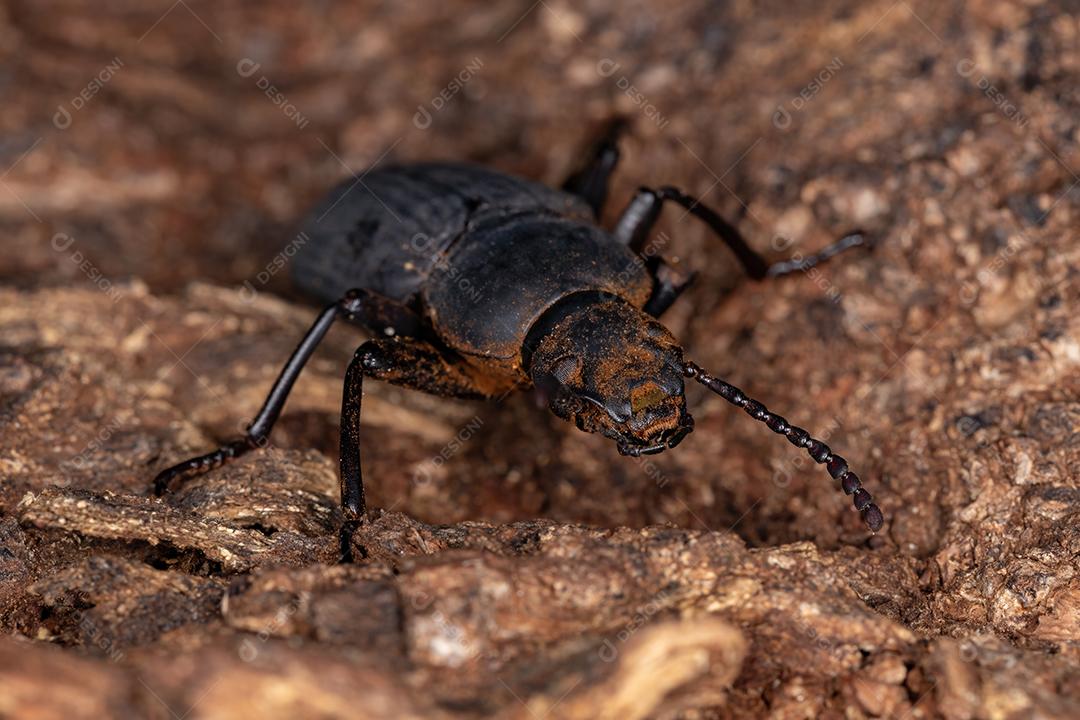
[386, 230]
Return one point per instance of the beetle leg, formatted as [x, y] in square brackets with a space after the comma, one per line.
[355, 304]
[385, 317]
[637, 220]
[641, 214]
[668, 285]
[410, 363]
[591, 182]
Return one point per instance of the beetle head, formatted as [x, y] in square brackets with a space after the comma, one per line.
[612, 369]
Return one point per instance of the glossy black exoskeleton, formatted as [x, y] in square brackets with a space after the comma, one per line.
[474, 284]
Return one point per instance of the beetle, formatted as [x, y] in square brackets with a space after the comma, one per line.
[475, 283]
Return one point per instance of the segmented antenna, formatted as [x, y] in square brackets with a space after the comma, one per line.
[819, 451]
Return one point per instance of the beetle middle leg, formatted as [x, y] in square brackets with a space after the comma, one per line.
[668, 285]
[378, 314]
[407, 362]
[641, 214]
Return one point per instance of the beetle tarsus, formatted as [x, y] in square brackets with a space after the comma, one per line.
[802, 264]
[348, 528]
[818, 450]
[639, 450]
[165, 480]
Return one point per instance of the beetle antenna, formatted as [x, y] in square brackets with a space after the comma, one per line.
[819, 451]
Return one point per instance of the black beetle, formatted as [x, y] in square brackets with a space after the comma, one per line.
[475, 284]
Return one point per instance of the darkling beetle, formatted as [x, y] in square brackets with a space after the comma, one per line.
[475, 283]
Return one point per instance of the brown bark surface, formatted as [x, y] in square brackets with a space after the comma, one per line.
[154, 158]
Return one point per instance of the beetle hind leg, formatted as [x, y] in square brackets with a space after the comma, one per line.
[591, 182]
[365, 308]
[258, 432]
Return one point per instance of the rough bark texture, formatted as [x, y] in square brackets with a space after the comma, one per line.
[519, 568]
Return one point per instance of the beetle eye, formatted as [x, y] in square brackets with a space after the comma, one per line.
[565, 368]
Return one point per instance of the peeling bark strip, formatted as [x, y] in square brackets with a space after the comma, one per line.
[120, 517]
[670, 668]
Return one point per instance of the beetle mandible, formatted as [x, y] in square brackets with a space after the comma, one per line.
[475, 283]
